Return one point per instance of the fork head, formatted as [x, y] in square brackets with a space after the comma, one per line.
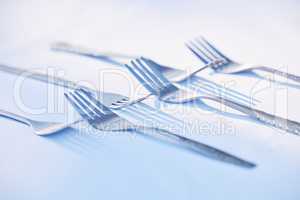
[208, 54]
[156, 83]
[94, 112]
[148, 76]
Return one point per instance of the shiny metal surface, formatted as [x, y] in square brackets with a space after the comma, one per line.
[159, 85]
[210, 55]
[41, 128]
[105, 119]
[175, 75]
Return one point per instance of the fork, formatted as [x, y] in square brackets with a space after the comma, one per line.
[175, 75]
[208, 53]
[168, 92]
[41, 128]
[107, 97]
[110, 119]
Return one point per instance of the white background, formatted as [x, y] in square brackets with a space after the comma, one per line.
[83, 166]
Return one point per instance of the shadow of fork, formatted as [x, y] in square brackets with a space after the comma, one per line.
[81, 140]
[86, 141]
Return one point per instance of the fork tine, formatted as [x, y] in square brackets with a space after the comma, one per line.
[145, 76]
[205, 48]
[156, 73]
[215, 50]
[204, 51]
[85, 105]
[147, 73]
[95, 104]
[89, 104]
[142, 79]
[200, 53]
[78, 107]
[150, 73]
[196, 54]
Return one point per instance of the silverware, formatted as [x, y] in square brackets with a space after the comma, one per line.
[107, 97]
[178, 76]
[39, 127]
[209, 54]
[110, 119]
[168, 92]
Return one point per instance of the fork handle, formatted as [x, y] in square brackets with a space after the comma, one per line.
[280, 73]
[203, 149]
[266, 118]
[15, 117]
[83, 51]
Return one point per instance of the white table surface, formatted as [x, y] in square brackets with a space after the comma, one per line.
[79, 164]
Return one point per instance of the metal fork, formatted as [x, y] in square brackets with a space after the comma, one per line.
[39, 127]
[208, 53]
[166, 91]
[175, 75]
[46, 128]
[107, 98]
[107, 119]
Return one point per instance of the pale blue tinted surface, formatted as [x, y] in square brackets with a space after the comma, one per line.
[74, 165]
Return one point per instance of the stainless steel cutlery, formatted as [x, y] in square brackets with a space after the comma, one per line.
[107, 97]
[116, 113]
[160, 86]
[166, 90]
[39, 127]
[176, 76]
[110, 119]
[113, 122]
[215, 59]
